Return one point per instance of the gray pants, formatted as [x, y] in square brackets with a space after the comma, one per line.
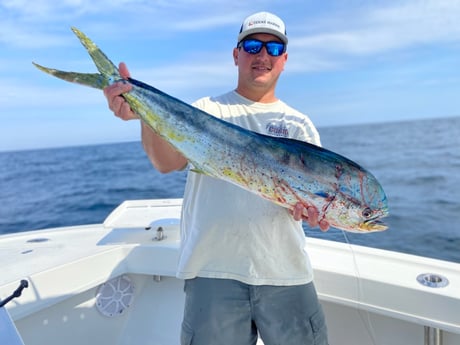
[228, 312]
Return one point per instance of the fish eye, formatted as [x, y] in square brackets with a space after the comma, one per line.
[367, 212]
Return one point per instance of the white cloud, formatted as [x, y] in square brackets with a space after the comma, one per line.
[381, 30]
[182, 47]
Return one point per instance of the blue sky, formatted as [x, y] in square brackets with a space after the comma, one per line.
[349, 61]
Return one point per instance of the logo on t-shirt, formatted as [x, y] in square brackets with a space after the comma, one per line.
[277, 129]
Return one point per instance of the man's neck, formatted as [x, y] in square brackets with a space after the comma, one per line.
[261, 96]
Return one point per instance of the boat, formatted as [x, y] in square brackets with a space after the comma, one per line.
[114, 283]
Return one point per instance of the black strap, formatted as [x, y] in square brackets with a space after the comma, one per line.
[24, 284]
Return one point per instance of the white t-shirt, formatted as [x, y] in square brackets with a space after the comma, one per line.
[228, 232]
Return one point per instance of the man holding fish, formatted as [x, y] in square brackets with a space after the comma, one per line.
[242, 257]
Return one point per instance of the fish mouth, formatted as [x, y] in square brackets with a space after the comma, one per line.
[373, 225]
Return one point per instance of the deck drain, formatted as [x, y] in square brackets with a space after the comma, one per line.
[432, 280]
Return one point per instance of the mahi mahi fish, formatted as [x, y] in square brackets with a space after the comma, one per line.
[282, 170]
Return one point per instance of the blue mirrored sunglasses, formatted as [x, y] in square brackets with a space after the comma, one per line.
[253, 46]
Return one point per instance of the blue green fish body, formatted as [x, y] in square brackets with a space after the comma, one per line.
[285, 171]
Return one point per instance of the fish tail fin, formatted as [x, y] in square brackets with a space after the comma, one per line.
[108, 71]
[95, 80]
[102, 62]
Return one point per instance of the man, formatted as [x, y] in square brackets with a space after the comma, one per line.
[242, 257]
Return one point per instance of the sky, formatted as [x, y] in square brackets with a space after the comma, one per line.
[350, 62]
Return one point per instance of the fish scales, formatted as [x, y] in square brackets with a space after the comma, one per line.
[284, 171]
[214, 150]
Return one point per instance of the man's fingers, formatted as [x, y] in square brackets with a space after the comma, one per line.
[312, 213]
[126, 112]
[297, 211]
[115, 104]
[123, 69]
[323, 225]
[311, 217]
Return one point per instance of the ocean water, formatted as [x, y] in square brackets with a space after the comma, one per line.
[417, 162]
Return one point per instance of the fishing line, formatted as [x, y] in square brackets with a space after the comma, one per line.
[363, 314]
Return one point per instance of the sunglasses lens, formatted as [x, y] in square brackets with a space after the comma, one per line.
[275, 48]
[252, 46]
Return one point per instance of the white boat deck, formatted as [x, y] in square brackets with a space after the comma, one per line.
[369, 295]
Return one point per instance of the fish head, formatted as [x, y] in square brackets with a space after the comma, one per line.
[359, 206]
[356, 217]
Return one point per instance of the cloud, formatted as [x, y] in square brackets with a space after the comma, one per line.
[184, 48]
[44, 23]
[379, 30]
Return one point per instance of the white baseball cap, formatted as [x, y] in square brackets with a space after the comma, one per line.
[263, 22]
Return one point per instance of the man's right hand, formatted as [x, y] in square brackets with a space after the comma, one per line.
[162, 155]
[116, 102]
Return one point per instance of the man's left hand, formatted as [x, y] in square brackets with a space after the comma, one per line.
[311, 216]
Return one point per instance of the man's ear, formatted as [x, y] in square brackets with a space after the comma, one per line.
[235, 56]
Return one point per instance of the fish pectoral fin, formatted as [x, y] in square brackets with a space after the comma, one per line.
[199, 171]
[95, 80]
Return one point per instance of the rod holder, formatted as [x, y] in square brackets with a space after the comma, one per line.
[433, 336]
